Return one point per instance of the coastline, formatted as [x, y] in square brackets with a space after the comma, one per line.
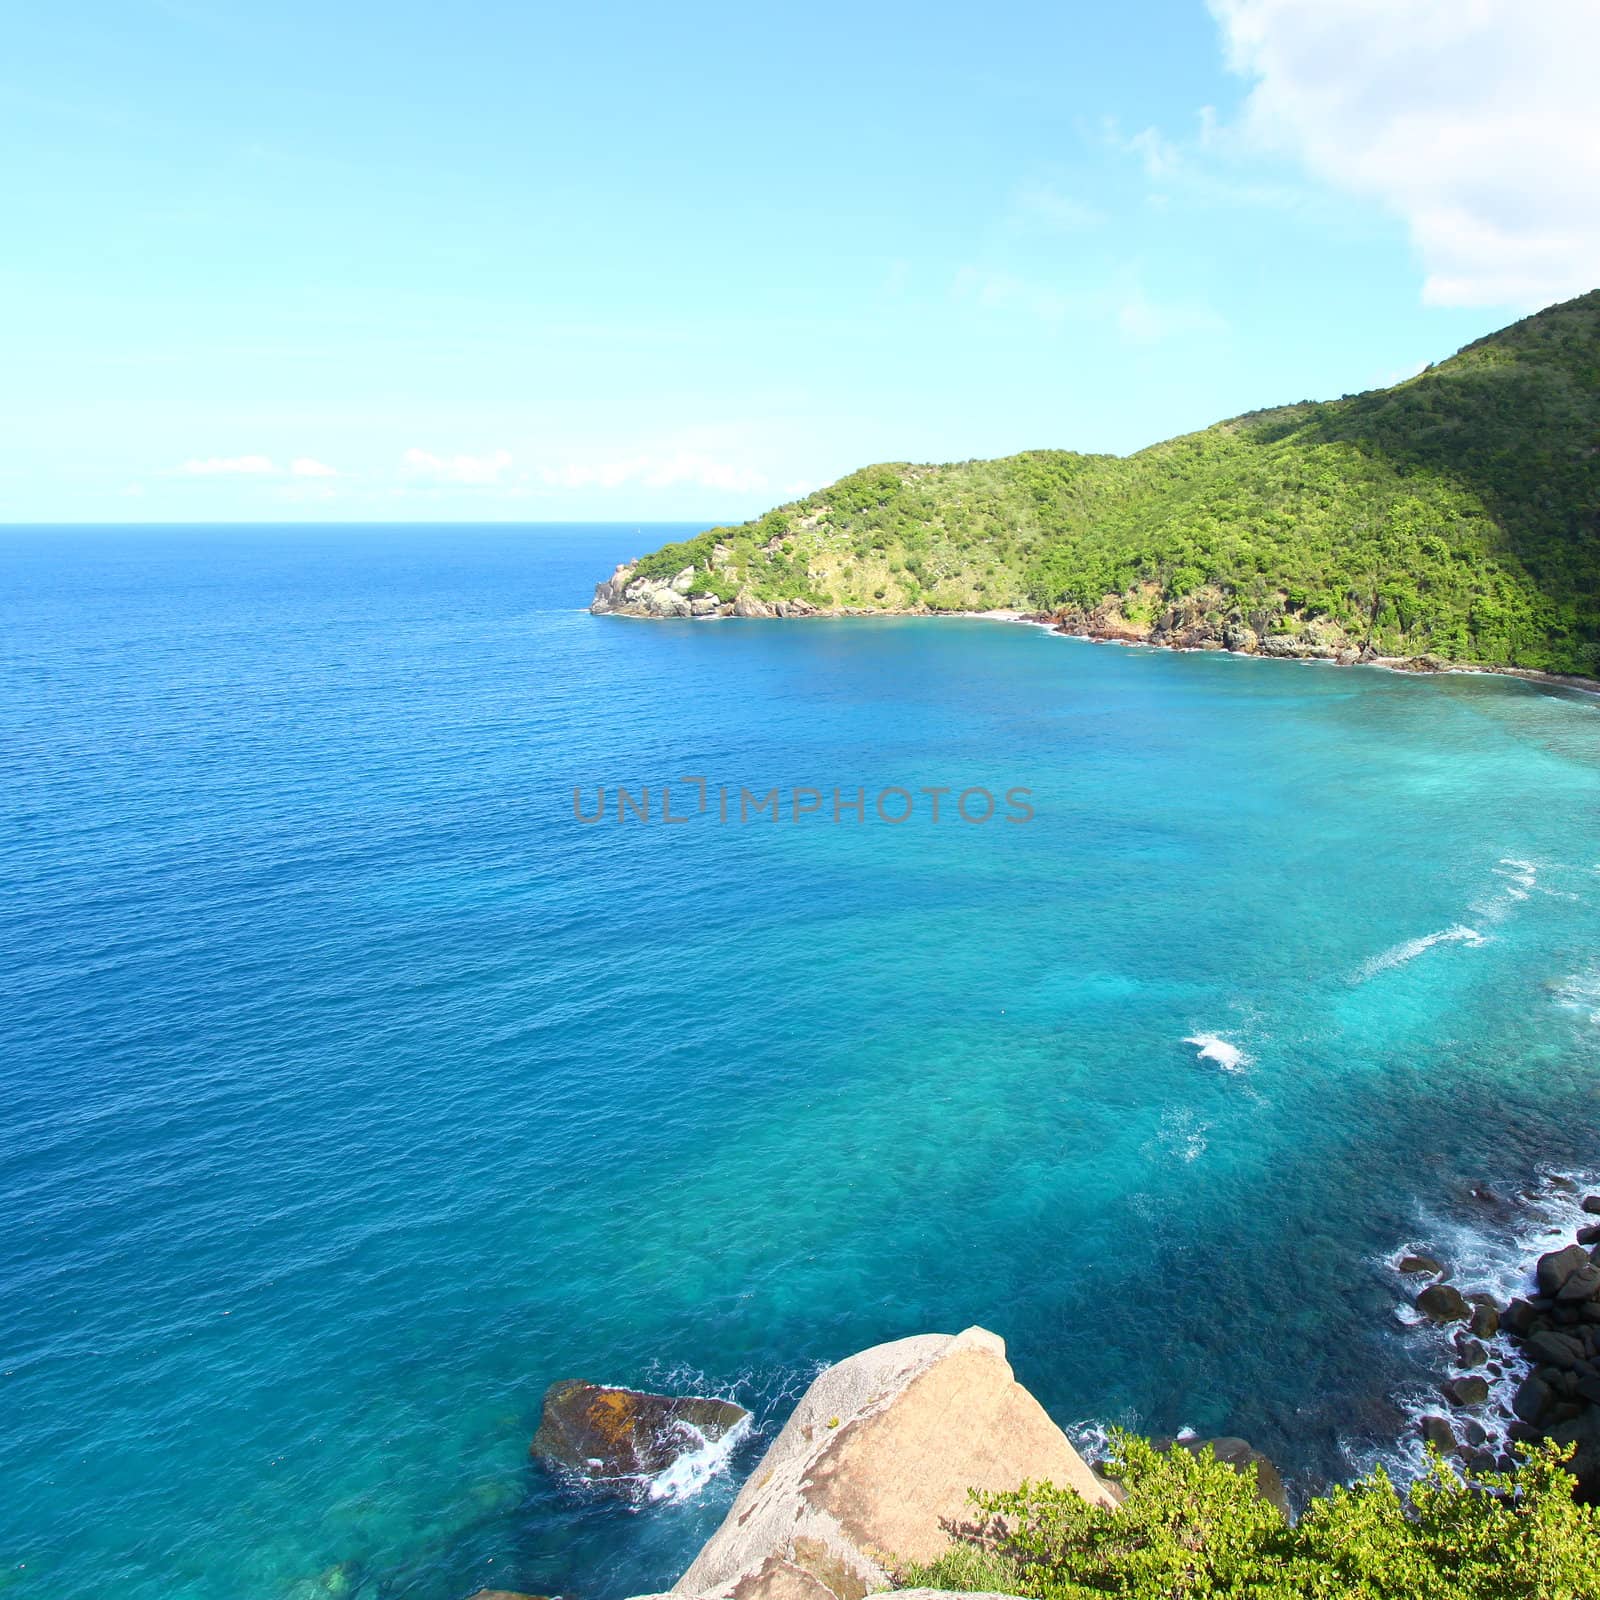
[1408, 665]
[1411, 666]
[1509, 1304]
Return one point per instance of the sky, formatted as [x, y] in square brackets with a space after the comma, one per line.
[520, 261]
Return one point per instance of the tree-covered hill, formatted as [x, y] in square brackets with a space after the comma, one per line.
[1456, 514]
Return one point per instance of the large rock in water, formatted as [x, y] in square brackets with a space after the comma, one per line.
[624, 1437]
[1439, 1302]
[1555, 1268]
[873, 1470]
[612, 592]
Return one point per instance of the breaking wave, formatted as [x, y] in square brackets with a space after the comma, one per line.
[1213, 1047]
[702, 1460]
[1398, 955]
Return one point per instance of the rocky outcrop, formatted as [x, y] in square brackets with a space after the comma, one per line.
[1208, 620]
[1555, 1331]
[610, 593]
[626, 594]
[873, 1469]
[622, 1437]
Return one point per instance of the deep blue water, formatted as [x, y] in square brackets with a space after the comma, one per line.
[353, 1091]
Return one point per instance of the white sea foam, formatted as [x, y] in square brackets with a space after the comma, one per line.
[1182, 1134]
[1494, 1257]
[1213, 1047]
[1520, 876]
[702, 1460]
[1091, 1436]
[1400, 954]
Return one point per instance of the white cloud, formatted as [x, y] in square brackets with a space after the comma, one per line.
[228, 466]
[657, 472]
[1475, 121]
[486, 469]
[1147, 321]
[1160, 156]
[1004, 291]
[1136, 316]
[252, 467]
[1042, 205]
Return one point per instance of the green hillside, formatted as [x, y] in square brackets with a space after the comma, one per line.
[1456, 514]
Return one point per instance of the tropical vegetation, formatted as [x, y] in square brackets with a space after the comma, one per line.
[1193, 1528]
[1457, 514]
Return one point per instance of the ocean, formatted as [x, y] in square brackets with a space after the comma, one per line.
[355, 1088]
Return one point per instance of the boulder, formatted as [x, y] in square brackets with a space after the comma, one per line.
[1466, 1391]
[1589, 1234]
[684, 581]
[1301, 645]
[873, 1469]
[1420, 1263]
[1440, 1303]
[665, 601]
[704, 605]
[1470, 1354]
[1240, 636]
[1583, 1432]
[1437, 1432]
[1591, 1204]
[1243, 1457]
[1552, 1348]
[1584, 1284]
[1555, 1268]
[623, 1437]
[1485, 1322]
[746, 605]
[611, 593]
[1520, 1318]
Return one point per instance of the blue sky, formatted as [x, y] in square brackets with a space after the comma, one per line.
[636, 261]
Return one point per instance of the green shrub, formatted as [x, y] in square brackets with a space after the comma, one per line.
[1191, 1528]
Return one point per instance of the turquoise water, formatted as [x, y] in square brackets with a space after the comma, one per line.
[353, 1091]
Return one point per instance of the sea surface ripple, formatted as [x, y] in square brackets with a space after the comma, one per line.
[353, 1091]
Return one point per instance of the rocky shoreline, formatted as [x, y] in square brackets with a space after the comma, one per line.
[869, 1474]
[871, 1470]
[1186, 626]
[1526, 1366]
